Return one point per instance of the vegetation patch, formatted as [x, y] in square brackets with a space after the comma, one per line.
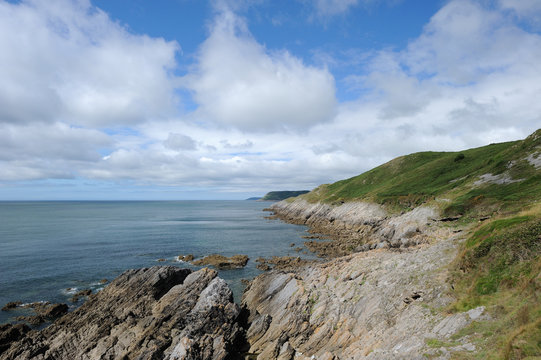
[282, 195]
[409, 181]
[499, 267]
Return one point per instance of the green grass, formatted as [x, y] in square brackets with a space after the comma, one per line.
[499, 264]
[282, 195]
[408, 181]
[499, 267]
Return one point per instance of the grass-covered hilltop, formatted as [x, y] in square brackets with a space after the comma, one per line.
[490, 196]
[282, 195]
[497, 178]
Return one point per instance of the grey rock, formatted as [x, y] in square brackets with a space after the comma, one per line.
[476, 313]
[162, 312]
[353, 307]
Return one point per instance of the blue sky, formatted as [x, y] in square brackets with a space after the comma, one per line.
[223, 99]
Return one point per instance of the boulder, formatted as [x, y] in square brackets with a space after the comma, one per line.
[185, 258]
[83, 293]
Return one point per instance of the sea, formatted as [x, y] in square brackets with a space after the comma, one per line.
[50, 250]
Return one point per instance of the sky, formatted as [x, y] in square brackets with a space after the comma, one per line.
[224, 99]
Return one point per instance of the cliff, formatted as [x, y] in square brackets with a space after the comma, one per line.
[358, 226]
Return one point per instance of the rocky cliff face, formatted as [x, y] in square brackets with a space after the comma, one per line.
[153, 313]
[358, 226]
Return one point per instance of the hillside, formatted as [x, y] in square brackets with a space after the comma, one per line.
[282, 195]
[484, 202]
[494, 178]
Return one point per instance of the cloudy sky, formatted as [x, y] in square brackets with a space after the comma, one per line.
[219, 99]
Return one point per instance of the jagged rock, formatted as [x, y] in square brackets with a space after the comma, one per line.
[162, 312]
[284, 263]
[33, 320]
[263, 267]
[185, 258]
[10, 333]
[52, 311]
[11, 305]
[286, 352]
[44, 312]
[352, 225]
[223, 262]
[83, 293]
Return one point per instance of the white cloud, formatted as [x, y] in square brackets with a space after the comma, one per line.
[525, 9]
[472, 77]
[43, 150]
[180, 142]
[238, 82]
[325, 9]
[66, 60]
[465, 43]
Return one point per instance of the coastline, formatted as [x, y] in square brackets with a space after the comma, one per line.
[379, 296]
[50, 247]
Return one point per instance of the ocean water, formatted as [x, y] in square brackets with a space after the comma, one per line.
[49, 247]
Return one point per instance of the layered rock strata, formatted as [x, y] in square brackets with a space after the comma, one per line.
[370, 305]
[357, 226]
[152, 313]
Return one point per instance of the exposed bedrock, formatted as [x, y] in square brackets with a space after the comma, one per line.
[357, 226]
[162, 312]
[370, 305]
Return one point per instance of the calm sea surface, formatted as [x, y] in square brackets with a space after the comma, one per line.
[48, 247]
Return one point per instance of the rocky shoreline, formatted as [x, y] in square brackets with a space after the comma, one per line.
[380, 297]
[385, 303]
[162, 312]
[357, 226]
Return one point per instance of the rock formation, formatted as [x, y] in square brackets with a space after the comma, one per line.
[162, 312]
[375, 305]
[357, 226]
[379, 304]
[223, 262]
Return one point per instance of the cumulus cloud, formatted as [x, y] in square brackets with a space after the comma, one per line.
[42, 150]
[238, 82]
[264, 119]
[471, 70]
[65, 60]
[529, 10]
[69, 72]
[180, 142]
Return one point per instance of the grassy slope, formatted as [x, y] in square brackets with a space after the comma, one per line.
[499, 267]
[411, 180]
[281, 195]
[499, 264]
